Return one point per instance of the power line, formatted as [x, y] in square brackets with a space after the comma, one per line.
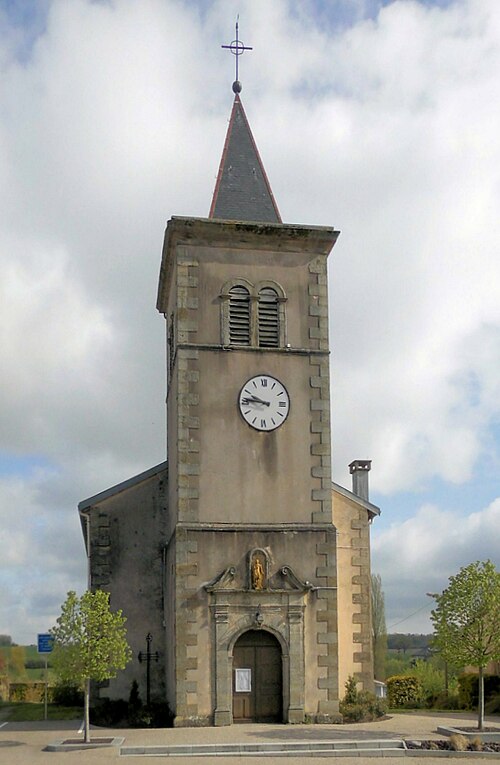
[423, 608]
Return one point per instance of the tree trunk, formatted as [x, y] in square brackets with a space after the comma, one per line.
[480, 711]
[86, 716]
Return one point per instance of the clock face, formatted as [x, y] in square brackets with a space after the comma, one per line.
[264, 402]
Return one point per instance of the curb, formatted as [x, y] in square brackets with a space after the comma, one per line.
[70, 745]
[483, 736]
[375, 748]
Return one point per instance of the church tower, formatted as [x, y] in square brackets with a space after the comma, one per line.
[242, 569]
[251, 570]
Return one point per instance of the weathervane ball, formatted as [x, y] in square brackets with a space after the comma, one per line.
[236, 86]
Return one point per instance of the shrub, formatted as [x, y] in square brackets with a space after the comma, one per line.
[444, 701]
[17, 692]
[458, 742]
[476, 744]
[157, 715]
[109, 712]
[4, 689]
[431, 679]
[67, 695]
[352, 712]
[368, 707]
[135, 712]
[357, 706]
[492, 706]
[403, 691]
[114, 712]
[351, 691]
[134, 698]
[29, 692]
[468, 689]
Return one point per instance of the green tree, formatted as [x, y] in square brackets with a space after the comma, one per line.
[430, 677]
[466, 620]
[89, 643]
[400, 642]
[379, 631]
[16, 662]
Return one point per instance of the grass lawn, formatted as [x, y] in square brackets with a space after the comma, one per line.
[22, 712]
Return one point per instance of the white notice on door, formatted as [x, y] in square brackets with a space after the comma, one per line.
[243, 680]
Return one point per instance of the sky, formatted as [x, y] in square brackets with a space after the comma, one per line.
[379, 118]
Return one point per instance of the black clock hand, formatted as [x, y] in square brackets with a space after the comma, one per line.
[254, 400]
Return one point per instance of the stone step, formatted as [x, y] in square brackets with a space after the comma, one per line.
[276, 749]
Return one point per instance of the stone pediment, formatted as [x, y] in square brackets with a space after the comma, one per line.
[222, 580]
[284, 579]
[292, 582]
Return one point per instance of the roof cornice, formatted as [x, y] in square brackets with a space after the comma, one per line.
[372, 509]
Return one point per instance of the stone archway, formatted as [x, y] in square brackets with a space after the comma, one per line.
[257, 678]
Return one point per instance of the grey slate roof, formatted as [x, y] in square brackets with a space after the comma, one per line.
[372, 509]
[85, 504]
[242, 191]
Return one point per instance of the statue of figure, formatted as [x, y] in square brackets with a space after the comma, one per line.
[257, 574]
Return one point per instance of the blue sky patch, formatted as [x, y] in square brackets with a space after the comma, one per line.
[22, 464]
[462, 499]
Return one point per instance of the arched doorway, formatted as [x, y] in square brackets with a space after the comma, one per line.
[257, 678]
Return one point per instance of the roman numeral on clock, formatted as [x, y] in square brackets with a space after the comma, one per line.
[264, 403]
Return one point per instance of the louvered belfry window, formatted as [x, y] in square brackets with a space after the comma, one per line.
[268, 318]
[239, 315]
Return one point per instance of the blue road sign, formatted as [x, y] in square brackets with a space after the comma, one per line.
[45, 642]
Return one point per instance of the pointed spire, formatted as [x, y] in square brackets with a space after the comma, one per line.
[242, 191]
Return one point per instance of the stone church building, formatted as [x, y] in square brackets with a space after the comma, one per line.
[246, 567]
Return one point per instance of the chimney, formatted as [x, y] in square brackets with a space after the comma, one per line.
[359, 470]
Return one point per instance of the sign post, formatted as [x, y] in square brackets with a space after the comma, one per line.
[45, 646]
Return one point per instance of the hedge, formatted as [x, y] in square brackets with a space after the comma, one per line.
[403, 690]
[30, 692]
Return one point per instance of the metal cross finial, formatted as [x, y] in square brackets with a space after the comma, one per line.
[237, 48]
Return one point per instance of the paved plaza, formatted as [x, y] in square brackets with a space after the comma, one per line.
[24, 743]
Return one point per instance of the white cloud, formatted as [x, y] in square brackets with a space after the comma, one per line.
[43, 553]
[41, 558]
[115, 121]
[418, 555]
[416, 269]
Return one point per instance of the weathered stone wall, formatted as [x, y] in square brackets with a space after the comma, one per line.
[293, 462]
[127, 536]
[353, 565]
[216, 604]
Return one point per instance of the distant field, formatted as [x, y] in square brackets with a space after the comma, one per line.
[13, 660]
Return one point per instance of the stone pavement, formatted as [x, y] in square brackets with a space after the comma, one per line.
[23, 743]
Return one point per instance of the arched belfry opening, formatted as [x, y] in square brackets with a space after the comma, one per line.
[257, 678]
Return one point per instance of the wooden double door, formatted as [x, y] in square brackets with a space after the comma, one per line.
[257, 678]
